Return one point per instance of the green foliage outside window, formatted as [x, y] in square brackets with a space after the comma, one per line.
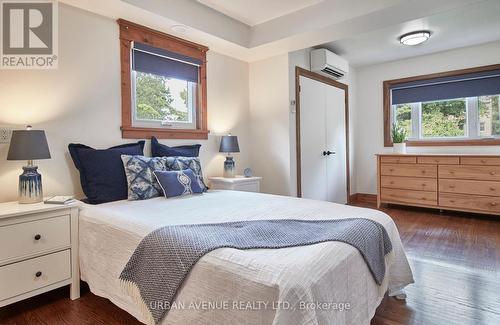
[489, 113]
[444, 118]
[403, 118]
[448, 118]
[154, 99]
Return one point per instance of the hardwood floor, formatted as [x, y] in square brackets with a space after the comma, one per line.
[455, 259]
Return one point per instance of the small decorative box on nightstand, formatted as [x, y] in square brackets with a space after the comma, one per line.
[238, 183]
[38, 250]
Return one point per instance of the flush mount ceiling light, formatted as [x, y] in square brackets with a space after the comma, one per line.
[415, 38]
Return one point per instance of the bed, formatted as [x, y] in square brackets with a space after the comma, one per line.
[326, 283]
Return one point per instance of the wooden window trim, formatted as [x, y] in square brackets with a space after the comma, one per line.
[130, 32]
[429, 143]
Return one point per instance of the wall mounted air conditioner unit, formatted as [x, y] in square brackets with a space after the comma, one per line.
[328, 63]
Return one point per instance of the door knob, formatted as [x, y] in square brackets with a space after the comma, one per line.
[327, 153]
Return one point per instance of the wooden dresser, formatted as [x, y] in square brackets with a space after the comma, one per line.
[468, 183]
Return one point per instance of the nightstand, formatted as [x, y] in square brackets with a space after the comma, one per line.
[38, 250]
[238, 183]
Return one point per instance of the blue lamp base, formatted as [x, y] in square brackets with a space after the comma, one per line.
[229, 167]
[30, 185]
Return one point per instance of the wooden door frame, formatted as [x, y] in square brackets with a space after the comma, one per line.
[318, 77]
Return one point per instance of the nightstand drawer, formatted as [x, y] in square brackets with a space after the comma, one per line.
[29, 275]
[34, 237]
[248, 187]
[238, 183]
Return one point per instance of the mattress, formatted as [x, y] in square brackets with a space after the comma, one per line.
[326, 283]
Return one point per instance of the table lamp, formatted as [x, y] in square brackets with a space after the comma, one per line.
[29, 145]
[229, 144]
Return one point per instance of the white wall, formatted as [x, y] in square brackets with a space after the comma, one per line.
[80, 102]
[272, 120]
[369, 113]
[269, 123]
[302, 59]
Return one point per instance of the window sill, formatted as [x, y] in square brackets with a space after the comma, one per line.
[146, 133]
[450, 143]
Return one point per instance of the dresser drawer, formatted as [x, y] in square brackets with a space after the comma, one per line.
[21, 277]
[407, 196]
[481, 161]
[409, 183]
[438, 160]
[486, 173]
[398, 159]
[469, 187]
[487, 204]
[20, 239]
[409, 170]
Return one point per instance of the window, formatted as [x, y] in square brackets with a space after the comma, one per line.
[164, 88]
[489, 116]
[163, 85]
[459, 107]
[462, 118]
[162, 101]
[402, 115]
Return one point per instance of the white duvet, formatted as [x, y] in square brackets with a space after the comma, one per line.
[327, 283]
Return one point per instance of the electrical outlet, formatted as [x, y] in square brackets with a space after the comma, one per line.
[5, 135]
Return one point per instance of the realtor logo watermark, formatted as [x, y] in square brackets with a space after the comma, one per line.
[29, 34]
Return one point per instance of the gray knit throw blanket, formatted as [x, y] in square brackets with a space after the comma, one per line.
[163, 259]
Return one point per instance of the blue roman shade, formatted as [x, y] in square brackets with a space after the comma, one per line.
[161, 62]
[459, 86]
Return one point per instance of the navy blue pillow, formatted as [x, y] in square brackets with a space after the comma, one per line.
[101, 171]
[161, 150]
[178, 182]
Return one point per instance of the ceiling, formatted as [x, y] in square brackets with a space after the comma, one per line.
[363, 31]
[465, 26]
[256, 12]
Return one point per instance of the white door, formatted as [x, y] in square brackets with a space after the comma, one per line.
[323, 141]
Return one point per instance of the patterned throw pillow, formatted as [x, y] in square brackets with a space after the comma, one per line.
[141, 181]
[178, 182]
[193, 163]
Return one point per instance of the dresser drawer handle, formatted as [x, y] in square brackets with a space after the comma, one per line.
[492, 189]
[423, 199]
[424, 185]
[437, 160]
[38, 237]
[38, 274]
[452, 201]
[492, 173]
[391, 182]
[483, 161]
[452, 186]
[493, 204]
